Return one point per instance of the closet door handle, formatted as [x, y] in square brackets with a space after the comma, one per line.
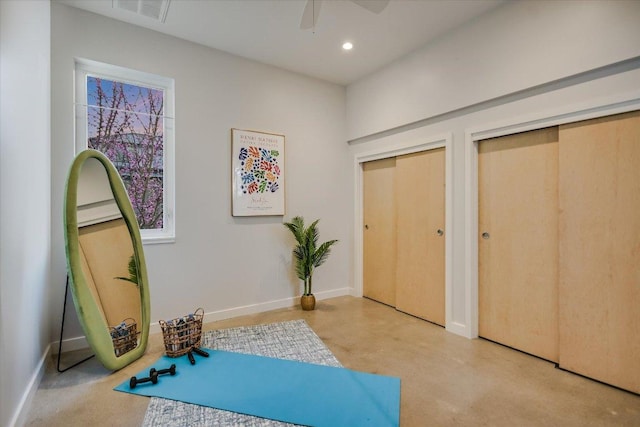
[485, 235]
[440, 232]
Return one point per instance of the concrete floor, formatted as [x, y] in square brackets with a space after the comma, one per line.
[446, 379]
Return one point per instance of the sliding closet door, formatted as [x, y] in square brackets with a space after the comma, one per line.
[600, 249]
[420, 197]
[518, 246]
[379, 275]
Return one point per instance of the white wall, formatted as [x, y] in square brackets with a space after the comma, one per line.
[407, 108]
[25, 202]
[514, 47]
[227, 265]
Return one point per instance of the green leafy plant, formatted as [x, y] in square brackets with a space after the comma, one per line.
[307, 253]
[133, 272]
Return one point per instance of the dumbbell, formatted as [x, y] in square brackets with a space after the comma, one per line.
[171, 370]
[199, 351]
[153, 378]
[192, 360]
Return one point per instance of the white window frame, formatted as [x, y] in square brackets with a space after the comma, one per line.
[85, 67]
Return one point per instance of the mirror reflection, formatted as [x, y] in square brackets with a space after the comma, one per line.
[107, 256]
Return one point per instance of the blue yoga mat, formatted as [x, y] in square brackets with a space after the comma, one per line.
[283, 390]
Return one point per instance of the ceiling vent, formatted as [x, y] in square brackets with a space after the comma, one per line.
[154, 9]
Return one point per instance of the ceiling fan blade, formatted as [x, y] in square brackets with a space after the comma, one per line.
[310, 14]
[375, 6]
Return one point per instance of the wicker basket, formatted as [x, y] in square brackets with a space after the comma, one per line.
[124, 336]
[182, 334]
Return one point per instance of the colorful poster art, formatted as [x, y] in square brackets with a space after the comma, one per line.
[258, 166]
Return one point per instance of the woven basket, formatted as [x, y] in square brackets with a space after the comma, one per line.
[182, 334]
[124, 336]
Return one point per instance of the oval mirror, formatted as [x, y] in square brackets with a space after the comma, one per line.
[105, 259]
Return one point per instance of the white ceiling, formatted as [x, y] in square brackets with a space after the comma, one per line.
[269, 30]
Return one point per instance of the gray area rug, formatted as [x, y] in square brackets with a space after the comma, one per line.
[293, 340]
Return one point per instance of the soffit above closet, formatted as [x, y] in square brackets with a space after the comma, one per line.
[269, 31]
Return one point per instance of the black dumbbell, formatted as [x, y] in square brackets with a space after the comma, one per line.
[171, 370]
[199, 351]
[192, 360]
[153, 378]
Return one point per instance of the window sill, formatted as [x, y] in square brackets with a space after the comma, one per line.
[155, 240]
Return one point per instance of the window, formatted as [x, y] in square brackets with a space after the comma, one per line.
[128, 116]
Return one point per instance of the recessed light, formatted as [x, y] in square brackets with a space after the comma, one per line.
[347, 45]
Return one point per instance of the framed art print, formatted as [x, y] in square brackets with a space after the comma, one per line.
[258, 169]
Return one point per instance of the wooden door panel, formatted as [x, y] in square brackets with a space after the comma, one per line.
[379, 258]
[420, 198]
[599, 276]
[518, 259]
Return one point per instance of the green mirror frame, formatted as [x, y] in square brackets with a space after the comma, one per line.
[89, 311]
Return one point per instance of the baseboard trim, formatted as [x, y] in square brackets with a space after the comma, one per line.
[458, 329]
[80, 343]
[70, 344]
[21, 413]
[244, 310]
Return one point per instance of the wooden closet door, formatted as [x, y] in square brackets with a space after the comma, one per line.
[600, 249]
[379, 214]
[518, 246]
[420, 199]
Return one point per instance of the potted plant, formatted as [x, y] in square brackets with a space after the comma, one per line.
[308, 255]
